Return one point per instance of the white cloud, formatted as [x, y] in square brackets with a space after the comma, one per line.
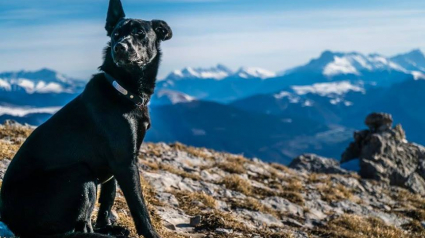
[23, 111]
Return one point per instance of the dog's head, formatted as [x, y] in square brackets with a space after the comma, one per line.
[134, 42]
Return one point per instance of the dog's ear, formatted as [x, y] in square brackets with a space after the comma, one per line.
[115, 15]
[162, 30]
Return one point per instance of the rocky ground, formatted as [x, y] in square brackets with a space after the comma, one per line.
[197, 192]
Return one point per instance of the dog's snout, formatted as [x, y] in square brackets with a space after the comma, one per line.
[120, 48]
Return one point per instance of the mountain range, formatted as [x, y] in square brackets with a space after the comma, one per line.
[274, 116]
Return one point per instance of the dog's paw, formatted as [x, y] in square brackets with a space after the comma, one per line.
[117, 231]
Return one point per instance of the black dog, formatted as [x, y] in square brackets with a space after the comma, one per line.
[50, 187]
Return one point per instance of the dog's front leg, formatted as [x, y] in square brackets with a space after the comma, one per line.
[129, 180]
[106, 200]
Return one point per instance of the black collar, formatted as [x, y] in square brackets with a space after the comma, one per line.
[140, 101]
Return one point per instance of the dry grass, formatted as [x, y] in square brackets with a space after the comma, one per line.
[7, 131]
[403, 195]
[238, 159]
[294, 185]
[152, 165]
[236, 183]
[415, 227]
[232, 167]
[278, 234]
[194, 203]
[352, 226]
[217, 219]
[252, 204]
[179, 172]
[282, 168]
[152, 150]
[318, 178]
[199, 203]
[331, 192]
[197, 152]
[14, 136]
[293, 197]
[290, 192]
[8, 150]
[417, 214]
[125, 219]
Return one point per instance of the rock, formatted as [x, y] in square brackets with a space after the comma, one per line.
[259, 218]
[12, 123]
[195, 221]
[168, 198]
[283, 205]
[291, 222]
[223, 231]
[379, 121]
[386, 156]
[169, 226]
[176, 217]
[317, 164]
[416, 183]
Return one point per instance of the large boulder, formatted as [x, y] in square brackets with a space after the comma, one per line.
[317, 164]
[385, 154]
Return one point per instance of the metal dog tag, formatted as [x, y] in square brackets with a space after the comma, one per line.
[119, 88]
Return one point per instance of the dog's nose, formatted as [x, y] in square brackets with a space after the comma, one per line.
[120, 48]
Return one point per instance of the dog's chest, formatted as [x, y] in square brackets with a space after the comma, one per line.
[138, 123]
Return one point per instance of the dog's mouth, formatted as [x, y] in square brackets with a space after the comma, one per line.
[129, 61]
[126, 62]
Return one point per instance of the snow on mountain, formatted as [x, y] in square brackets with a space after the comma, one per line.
[5, 85]
[417, 75]
[172, 97]
[326, 89]
[23, 111]
[253, 72]
[335, 91]
[332, 64]
[413, 60]
[218, 72]
[339, 66]
[293, 98]
[41, 81]
[355, 63]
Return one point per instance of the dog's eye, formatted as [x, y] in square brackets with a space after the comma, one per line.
[116, 35]
[141, 35]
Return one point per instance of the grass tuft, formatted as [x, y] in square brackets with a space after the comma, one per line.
[236, 183]
[353, 226]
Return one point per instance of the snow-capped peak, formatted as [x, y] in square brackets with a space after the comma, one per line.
[355, 63]
[218, 72]
[173, 97]
[340, 65]
[41, 81]
[332, 64]
[253, 72]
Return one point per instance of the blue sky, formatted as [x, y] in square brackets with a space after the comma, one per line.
[68, 35]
